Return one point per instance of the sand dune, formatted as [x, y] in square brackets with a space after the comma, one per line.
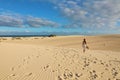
[60, 58]
[106, 42]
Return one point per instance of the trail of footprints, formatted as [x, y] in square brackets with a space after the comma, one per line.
[108, 67]
[58, 71]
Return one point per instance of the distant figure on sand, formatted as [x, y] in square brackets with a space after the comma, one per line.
[84, 45]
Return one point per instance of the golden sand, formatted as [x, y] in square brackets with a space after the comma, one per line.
[60, 58]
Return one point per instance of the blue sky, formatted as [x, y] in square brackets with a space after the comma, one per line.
[70, 16]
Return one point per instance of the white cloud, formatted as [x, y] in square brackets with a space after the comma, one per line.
[9, 20]
[15, 20]
[90, 13]
[39, 22]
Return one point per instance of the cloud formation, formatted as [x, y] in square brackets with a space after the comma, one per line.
[90, 13]
[15, 20]
[7, 20]
[38, 22]
[79, 13]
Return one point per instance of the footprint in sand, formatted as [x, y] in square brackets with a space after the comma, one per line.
[46, 67]
[94, 62]
[86, 63]
[93, 75]
[83, 68]
[114, 72]
[12, 69]
[78, 75]
[107, 65]
[67, 74]
[29, 74]
[102, 63]
[109, 79]
[37, 56]
[58, 65]
[59, 78]
[102, 73]
[24, 60]
[53, 70]
[13, 74]
[28, 57]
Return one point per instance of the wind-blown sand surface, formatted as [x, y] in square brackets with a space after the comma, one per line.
[60, 58]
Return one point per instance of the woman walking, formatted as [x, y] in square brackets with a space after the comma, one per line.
[84, 45]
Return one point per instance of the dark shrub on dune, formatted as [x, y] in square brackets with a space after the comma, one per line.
[36, 38]
[18, 38]
[4, 38]
[52, 35]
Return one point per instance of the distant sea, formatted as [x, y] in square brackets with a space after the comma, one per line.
[43, 34]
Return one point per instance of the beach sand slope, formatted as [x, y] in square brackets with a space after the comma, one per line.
[28, 61]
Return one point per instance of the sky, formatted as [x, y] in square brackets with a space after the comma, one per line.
[60, 16]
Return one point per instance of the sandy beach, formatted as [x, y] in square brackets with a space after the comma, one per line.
[60, 58]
